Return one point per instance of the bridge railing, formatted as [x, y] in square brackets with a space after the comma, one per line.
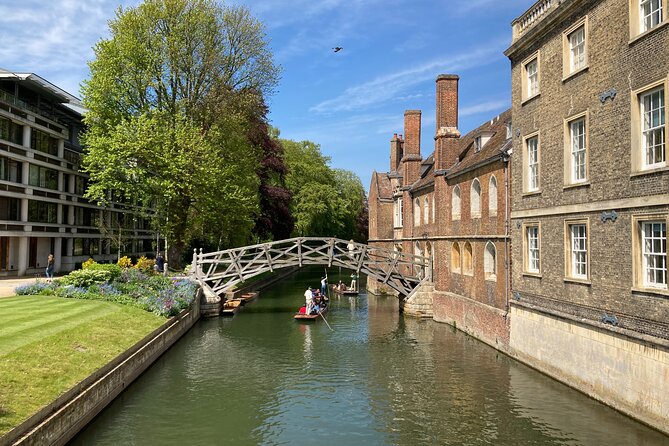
[223, 270]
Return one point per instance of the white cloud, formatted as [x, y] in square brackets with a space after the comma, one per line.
[484, 107]
[386, 87]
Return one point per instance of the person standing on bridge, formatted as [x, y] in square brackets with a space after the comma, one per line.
[309, 300]
[351, 248]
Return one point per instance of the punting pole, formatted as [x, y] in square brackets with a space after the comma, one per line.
[326, 321]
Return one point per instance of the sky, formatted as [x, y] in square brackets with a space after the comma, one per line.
[350, 102]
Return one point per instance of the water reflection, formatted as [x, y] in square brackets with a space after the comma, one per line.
[378, 378]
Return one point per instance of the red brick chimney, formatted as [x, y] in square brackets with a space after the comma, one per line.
[411, 158]
[396, 152]
[446, 147]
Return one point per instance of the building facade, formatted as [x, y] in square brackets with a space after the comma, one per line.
[42, 208]
[590, 198]
[450, 206]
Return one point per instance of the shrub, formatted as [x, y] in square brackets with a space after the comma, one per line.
[88, 263]
[145, 265]
[72, 292]
[124, 262]
[131, 275]
[113, 269]
[37, 288]
[86, 277]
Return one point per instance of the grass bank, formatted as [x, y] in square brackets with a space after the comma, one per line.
[48, 344]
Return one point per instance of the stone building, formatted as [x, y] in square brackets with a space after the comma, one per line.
[590, 198]
[42, 208]
[450, 206]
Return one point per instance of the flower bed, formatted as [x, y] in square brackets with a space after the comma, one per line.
[134, 286]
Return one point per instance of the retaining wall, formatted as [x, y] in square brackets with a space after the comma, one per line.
[61, 420]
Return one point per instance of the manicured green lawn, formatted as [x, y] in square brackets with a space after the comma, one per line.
[48, 344]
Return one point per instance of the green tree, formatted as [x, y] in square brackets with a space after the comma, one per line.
[169, 100]
[326, 202]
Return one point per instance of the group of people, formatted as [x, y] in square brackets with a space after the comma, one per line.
[315, 300]
[341, 286]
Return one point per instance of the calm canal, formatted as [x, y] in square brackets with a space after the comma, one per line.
[376, 379]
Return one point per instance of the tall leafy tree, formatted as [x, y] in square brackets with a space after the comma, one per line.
[326, 201]
[169, 99]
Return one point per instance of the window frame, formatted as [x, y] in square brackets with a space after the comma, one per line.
[638, 253]
[525, 77]
[456, 263]
[526, 164]
[568, 68]
[526, 249]
[569, 177]
[468, 270]
[492, 198]
[488, 275]
[475, 199]
[638, 149]
[636, 23]
[456, 203]
[569, 258]
[397, 213]
[416, 212]
[426, 210]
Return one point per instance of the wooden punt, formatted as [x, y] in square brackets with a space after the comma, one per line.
[230, 307]
[307, 317]
[347, 292]
[247, 297]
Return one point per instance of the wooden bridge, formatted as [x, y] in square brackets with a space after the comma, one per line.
[218, 272]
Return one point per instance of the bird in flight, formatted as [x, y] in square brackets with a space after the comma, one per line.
[337, 49]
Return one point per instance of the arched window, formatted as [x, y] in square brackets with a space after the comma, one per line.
[492, 196]
[455, 203]
[475, 198]
[426, 210]
[416, 212]
[455, 258]
[490, 261]
[467, 266]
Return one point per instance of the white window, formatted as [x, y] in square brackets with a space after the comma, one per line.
[578, 150]
[533, 164]
[577, 58]
[434, 206]
[532, 249]
[654, 253]
[532, 73]
[477, 144]
[490, 261]
[455, 203]
[651, 14]
[509, 130]
[578, 235]
[475, 198]
[398, 213]
[492, 196]
[416, 212]
[426, 210]
[653, 128]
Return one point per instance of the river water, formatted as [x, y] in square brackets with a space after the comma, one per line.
[375, 378]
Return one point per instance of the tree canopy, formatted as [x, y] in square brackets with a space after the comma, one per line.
[326, 202]
[172, 99]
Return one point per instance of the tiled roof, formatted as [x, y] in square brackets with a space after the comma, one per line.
[383, 186]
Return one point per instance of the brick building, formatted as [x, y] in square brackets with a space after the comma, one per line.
[451, 206]
[42, 208]
[590, 198]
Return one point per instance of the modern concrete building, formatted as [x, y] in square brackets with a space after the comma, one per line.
[42, 208]
[590, 198]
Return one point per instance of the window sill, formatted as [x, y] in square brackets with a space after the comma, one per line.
[638, 37]
[492, 278]
[659, 291]
[530, 99]
[531, 193]
[575, 73]
[455, 217]
[531, 274]
[576, 185]
[649, 171]
[578, 281]
[469, 274]
[476, 216]
[492, 214]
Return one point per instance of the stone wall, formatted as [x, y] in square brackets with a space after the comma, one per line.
[60, 421]
[614, 366]
[419, 302]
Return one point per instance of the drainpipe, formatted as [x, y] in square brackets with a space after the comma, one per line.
[505, 160]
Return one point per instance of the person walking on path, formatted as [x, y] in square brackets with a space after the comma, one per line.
[49, 268]
[160, 263]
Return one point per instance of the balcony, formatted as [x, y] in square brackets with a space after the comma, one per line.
[57, 124]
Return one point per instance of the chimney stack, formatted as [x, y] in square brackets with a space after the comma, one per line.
[446, 147]
[396, 152]
[411, 158]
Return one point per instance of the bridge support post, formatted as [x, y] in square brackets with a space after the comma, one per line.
[419, 302]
